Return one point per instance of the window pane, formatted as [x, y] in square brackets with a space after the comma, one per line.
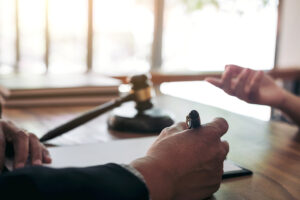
[68, 33]
[32, 36]
[234, 32]
[123, 33]
[7, 36]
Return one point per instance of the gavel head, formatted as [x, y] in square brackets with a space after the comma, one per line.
[142, 90]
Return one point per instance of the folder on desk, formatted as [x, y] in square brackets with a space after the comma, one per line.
[120, 151]
[57, 90]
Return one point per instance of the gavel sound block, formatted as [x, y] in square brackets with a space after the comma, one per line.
[127, 119]
[143, 119]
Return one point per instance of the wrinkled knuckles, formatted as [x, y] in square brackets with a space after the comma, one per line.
[33, 136]
[225, 146]
[166, 130]
[2, 140]
[182, 126]
[221, 156]
[247, 93]
[8, 122]
[2, 123]
[22, 135]
[45, 150]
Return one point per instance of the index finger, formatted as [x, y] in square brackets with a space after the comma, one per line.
[20, 142]
[224, 82]
[168, 131]
[235, 69]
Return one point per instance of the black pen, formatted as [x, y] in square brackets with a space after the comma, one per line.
[193, 120]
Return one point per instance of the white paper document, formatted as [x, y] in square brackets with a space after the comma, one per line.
[120, 151]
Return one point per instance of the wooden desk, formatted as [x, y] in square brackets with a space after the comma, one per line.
[271, 150]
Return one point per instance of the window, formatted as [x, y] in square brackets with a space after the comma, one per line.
[31, 44]
[68, 22]
[124, 36]
[7, 36]
[206, 37]
[121, 37]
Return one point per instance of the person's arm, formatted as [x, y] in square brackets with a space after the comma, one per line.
[181, 164]
[110, 181]
[258, 88]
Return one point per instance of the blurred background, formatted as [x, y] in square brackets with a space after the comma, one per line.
[124, 37]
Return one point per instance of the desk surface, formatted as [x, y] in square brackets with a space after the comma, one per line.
[271, 150]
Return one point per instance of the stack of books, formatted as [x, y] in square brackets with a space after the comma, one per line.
[57, 90]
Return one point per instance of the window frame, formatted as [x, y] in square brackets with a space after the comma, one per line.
[156, 51]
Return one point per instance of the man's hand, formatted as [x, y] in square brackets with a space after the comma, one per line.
[250, 85]
[24, 144]
[185, 163]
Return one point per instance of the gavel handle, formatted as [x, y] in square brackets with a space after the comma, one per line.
[85, 117]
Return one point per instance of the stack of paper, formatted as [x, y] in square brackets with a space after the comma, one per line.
[57, 90]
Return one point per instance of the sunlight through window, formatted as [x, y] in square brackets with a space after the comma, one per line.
[233, 32]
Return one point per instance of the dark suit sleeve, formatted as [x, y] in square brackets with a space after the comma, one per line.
[109, 181]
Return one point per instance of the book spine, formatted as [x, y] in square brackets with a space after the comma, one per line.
[62, 92]
[51, 102]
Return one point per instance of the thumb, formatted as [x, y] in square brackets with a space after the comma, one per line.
[215, 81]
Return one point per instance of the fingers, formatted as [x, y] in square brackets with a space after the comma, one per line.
[2, 149]
[38, 152]
[21, 148]
[215, 81]
[218, 126]
[255, 83]
[231, 72]
[35, 150]
[176, 128]
[20, 140]
[46, 155]
[226, 80]
[23, 143]
[239, 89]
[225, 146]
[234, 68]
[238, 81]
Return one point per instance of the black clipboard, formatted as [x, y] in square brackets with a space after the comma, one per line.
[237, 173]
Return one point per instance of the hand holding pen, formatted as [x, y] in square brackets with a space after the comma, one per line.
[194, 156]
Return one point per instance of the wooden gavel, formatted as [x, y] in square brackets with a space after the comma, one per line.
[141, 94]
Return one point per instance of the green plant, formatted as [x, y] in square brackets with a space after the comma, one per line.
[199, 4]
